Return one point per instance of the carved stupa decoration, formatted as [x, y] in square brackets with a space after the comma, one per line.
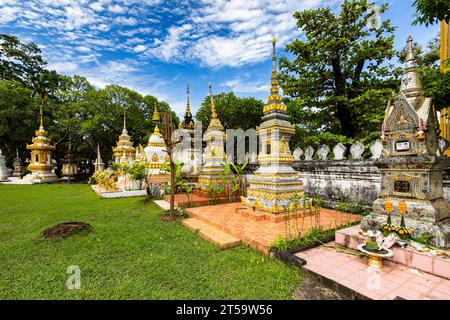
[412, 161]
[275, 183]
[214, 154]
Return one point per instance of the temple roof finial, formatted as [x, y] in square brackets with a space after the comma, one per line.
[124, 119]
[410, 84]
[41, 117]
[274, 54]
[188, 106]
[410, 51]
[155, 113]
[213, 106]
[274, 83]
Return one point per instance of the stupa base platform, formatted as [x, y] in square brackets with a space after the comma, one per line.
[439, 232]
[30, 179]
[260, 229]
[195, 200]
[118, 193]
[36, 178]
[424, 261]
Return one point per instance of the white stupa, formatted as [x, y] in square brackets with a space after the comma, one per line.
[4, 171]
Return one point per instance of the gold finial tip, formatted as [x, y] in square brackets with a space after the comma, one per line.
[274, 40]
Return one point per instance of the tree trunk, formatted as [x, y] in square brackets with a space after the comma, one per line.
[343, 112]
[172, 187]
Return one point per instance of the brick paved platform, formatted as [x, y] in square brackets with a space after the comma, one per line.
[393, 281]
[243, 223]
[182, 200]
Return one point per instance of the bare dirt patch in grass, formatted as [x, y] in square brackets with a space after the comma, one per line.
[66, 229]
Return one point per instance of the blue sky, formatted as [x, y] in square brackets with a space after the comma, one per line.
[155, 46]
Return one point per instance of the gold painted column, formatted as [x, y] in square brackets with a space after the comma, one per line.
[445, 54]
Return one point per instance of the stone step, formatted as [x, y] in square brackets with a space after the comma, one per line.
[211, 234]
[162, 204]
[410, 257]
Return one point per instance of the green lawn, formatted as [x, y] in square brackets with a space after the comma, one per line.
[129, 254]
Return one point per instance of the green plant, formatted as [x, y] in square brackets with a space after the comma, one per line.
[214, 192]
[280, 244]
[178, 177]
[188, 190]
[137, 171]
[115, 166]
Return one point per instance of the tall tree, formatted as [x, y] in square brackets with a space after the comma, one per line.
[338, 81]
[17, 118]
[18, 61]
[234, 112]
[431, 11]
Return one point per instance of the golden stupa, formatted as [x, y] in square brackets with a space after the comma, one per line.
[124, 147]
[41, 166]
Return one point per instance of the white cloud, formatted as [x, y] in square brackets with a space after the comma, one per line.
[116, 9]
[64, 67]
[172, 47]
[231, 32]
[140, 48]
[8, 14]
[96, 6]
[243, 84]
[128, 21]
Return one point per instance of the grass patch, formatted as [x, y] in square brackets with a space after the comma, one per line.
[128, 254]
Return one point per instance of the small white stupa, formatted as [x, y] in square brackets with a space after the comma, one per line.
[4, 171]
[155, 151]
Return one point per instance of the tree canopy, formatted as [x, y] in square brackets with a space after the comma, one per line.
[339, 79]
[234, 112]
[431, 11]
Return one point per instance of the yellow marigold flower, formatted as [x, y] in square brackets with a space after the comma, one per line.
[402, 207]
[388, 206]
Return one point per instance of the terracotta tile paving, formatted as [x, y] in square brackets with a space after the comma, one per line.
[196, 200]
[394, 279]
[245, 224]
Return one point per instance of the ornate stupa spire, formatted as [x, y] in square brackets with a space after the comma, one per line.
[124, 144]
[156, 118]
[156, 138]
[41, 118]
[155, 113]
[410, 85]
[124, 119]
[188, 122]
[99, 164]
[274, 100]
[215, 121]
[188, 106]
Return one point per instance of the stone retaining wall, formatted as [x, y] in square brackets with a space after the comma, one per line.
[341, 176]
